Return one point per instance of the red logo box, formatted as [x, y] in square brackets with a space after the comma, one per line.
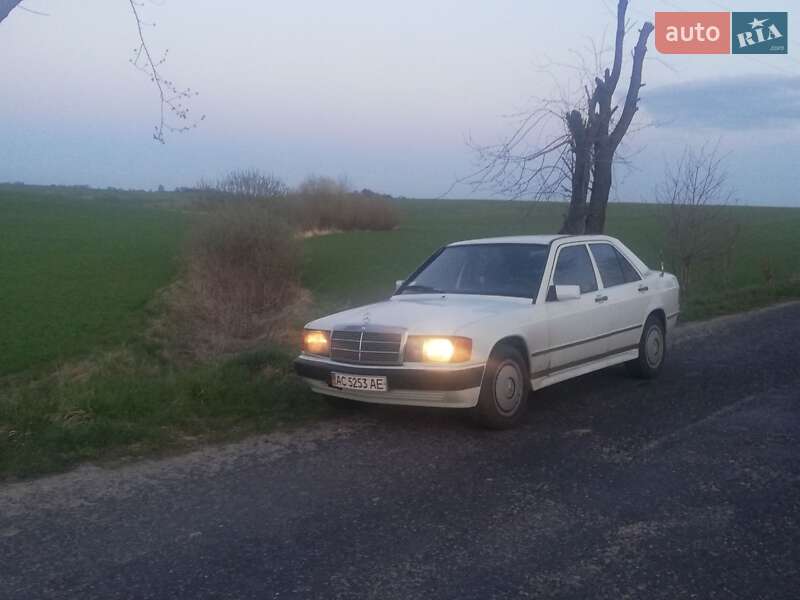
[693, 32]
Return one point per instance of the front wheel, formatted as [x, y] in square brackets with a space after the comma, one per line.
[652, 350]
[504, 392]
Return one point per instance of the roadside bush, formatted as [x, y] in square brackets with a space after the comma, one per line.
[240, 283]
[324, 204]
[318, 204]
[695, 202]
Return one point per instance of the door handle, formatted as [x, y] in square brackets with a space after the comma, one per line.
[600, 298]
[643, 288]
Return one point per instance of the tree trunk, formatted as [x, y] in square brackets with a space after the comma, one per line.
[601, 189]
[607, 143]
[575, 221]
[594, 142]
[6, 6]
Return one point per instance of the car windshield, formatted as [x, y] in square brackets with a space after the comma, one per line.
[487, 269]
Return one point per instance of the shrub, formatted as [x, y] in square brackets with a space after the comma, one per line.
[251, 183]
[321, 204]
[240, 284]
[317, 204]
[695, 203]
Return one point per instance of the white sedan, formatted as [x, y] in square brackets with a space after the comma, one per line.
[481, 323]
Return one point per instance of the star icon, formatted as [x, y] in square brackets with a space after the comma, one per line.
[757, 23]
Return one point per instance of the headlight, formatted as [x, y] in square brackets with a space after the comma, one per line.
[316, 342]
[438, 349]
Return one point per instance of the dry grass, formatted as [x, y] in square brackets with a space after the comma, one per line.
[323, 204]
[240, 285]
[318, 206]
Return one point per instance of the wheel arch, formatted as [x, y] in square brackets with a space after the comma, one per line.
[660, 315]
[518, 343]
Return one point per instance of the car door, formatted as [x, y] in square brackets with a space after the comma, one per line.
[576, 328]
[628, 296]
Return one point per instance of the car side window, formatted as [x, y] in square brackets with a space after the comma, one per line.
[608, 264]
[630, 273]
[574, 267]
[614, 268]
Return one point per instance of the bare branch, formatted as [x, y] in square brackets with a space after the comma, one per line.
[517, 168]
[173, 100]
[635, 84]
[34, 12]
[611, 81]
[696, 204]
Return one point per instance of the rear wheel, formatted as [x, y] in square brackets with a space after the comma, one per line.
[504, 392]
[652, 350]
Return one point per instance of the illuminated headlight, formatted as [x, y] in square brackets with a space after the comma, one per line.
[438, 349]
[316, 342]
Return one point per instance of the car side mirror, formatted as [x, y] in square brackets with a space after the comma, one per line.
[398, 283]
[567, 292]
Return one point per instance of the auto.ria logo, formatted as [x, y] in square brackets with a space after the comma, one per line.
[722, 32]
[759, 33]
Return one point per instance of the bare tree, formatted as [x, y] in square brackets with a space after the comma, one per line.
[577, 155]
[251, 183]
[695, 202]
[174, 113]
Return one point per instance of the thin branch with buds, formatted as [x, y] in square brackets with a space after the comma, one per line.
[174, 110]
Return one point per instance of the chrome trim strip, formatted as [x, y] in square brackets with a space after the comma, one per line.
[586, 341]
[329, 362]
[583, 361]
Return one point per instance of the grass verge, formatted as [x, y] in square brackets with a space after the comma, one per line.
[700, 307]
[127, 404]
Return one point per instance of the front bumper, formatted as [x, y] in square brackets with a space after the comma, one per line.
[436, 387]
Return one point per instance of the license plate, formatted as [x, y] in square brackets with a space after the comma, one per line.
[363, 383]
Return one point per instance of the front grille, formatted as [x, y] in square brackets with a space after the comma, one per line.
[366, 347]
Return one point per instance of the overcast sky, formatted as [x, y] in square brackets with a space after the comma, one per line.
[383, 93]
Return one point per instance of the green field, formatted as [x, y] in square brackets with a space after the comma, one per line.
[76, 270]
[78, 266]
[346, 269]
[79, 270]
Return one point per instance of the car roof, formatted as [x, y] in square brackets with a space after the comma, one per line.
[532, 239]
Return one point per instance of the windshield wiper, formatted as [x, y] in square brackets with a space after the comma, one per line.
[416, 287]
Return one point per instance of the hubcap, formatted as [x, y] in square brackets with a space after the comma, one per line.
[654, 347]
[508, 388]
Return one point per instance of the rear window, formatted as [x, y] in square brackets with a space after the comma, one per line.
[614, 268]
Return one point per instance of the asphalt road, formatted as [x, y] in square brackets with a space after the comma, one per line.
[688, 486]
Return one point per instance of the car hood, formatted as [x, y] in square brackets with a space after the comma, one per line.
[426, 314]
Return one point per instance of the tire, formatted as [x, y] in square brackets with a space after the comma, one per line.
[504, 391]
[343, 404]
[652, 350]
